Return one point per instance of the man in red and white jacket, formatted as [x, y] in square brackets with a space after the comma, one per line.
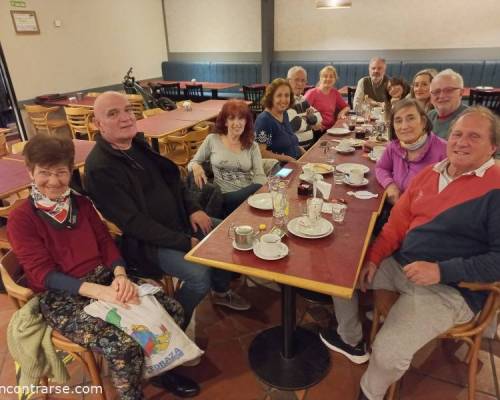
[445, 229]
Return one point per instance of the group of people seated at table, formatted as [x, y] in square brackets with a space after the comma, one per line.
[444, 226]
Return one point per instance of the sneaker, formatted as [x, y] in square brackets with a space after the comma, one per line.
[357, 354]
[230, 299]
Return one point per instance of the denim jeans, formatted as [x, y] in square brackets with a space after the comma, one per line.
[197, 279]
[233, 199]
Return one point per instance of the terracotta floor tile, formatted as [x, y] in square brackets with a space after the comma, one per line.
[443, 360]
[421, 387]
[341, 382]
[224, 373]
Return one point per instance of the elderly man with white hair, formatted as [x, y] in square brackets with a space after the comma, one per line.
[374, 85]
[303, 118]
[447, 88]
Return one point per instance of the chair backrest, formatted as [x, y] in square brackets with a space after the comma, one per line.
[93, 94]
[13, 280]
[350, 96]
[17, 148]
[38, 116]
[485, 98]
[171, 90]
[4, 211]
[3, 145]
[137, 103]
[254, 94]
[194, 92]
[77, 118]
[152, 112]
[190, 141]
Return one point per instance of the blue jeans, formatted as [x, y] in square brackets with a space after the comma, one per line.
[197, 279]
[233, 199]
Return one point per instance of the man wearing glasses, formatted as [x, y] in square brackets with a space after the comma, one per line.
[446, 97]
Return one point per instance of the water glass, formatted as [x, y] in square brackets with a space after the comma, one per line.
[314, 206]
[338, 177]
[338, 212]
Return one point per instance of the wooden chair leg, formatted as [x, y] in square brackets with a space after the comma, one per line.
[375, 325]
[391, 392]
[474, 350]
[95, 377]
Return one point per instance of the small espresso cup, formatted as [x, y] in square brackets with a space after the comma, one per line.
[243, 235]
[378, 151]
[344, 145]
[269, 244]
[356, 176]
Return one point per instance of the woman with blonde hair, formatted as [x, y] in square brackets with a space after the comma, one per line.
[421, 88]
[326, 98]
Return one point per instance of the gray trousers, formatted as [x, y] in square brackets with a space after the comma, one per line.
[419, 315]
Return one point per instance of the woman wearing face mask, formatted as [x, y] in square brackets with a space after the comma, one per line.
[414, 146]
[421, 88]
[234, 156]
[326, 98]
[69, 258]
[273, 132]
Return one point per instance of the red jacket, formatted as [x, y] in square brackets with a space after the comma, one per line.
[42, 248]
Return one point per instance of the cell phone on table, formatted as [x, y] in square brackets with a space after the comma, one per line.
[284, 172]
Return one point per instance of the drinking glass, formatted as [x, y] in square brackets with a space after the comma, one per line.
[338, 212]
[314, 206]
[338, 177]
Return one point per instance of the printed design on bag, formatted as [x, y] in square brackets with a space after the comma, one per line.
[150, 342]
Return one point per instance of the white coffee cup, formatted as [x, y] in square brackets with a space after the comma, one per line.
[378, 151]
[269, 245]
[356, 176]
[344, 145]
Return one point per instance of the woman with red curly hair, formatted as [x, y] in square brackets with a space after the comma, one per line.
[234, 156]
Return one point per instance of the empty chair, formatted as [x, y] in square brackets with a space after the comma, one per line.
[137, 103]
[485, 98]
[170, 90]
[3, 144]
[182, 148]
[254, 94]
[39, 117]
[350, 96]
[152, 112]
[194, 92]
[78, 121]
[17, 148]
[4, 213]
[12, 277]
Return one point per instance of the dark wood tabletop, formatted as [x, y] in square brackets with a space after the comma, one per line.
[329, 265]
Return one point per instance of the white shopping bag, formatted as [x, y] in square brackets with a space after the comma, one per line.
[165, 345]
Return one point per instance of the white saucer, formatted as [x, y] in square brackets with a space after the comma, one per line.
[283, 253]
[240, 248]
[293, 227]
[347, 150]
[319, 168]
[371, 157]
[310, 180]
[348, 182]
[261, 201]
[338, 131]
[346, 167]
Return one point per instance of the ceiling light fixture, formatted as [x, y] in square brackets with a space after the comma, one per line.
[329, 4]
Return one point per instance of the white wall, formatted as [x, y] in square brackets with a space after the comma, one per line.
[387, 24]
[97, 43]
[213, 25]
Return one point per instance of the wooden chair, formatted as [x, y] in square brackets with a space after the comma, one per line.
[4, 213]
[3, 144]
[254, 94]
[12, 277]
[485, 98]
[39, 117]
[17, 148]
[194, 92]
[137, 103]
[152, 112]
[93, 94]
[78, 121]
[350, 96]
[470, 332]
[183, 147]
[203, 125]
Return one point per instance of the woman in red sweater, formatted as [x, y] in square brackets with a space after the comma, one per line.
[69, 258]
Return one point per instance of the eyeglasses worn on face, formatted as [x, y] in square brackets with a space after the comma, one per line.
[48, 174]
[446, 91]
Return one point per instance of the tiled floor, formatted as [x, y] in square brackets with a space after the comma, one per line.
[436, 373]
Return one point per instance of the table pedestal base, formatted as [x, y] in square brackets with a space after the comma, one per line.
[307, 366]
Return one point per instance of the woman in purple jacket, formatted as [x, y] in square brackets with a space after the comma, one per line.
[414, 147]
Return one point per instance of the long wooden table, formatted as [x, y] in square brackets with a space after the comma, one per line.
[14, 176]
[214, 87]
[86, 101]
[287, 356]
